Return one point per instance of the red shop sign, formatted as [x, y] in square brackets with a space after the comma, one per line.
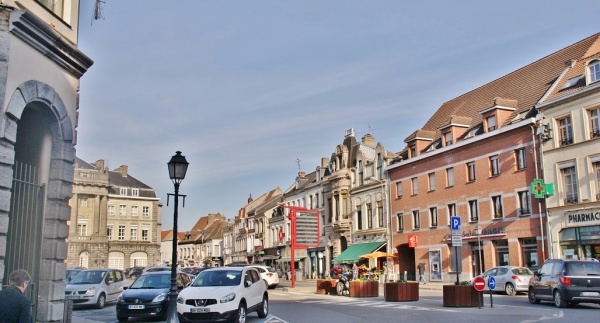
[413, 241]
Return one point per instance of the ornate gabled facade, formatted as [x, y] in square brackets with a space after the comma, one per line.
[115, 219]
[202, 246]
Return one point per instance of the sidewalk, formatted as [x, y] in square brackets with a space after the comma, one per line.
[310, 286]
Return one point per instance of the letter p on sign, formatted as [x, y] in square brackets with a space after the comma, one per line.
[455, 222]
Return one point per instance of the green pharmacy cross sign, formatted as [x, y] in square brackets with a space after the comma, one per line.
[540, 190]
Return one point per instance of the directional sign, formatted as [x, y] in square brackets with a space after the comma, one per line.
[455, 222]
[457, 240]
[479, 283]
[307, 228]
[492, 283]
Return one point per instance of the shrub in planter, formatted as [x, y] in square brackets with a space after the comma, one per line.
[401, 291]
[361, 288]
[461, 296]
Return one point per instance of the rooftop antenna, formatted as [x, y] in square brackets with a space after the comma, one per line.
[98, 8]
[370, 130]
[298, 162]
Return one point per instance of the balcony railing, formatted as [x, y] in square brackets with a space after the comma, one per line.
[595, 133]
[523, 212]
[566, 141]
[571, 200]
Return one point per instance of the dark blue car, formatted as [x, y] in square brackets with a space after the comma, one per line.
[148, 295]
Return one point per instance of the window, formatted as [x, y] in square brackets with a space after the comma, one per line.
[83, 202]
[134, 210]
[502, 252]
[570, 185]
[122, 210]
[82, 229]
[399, 189]
[379, 166]
[433, 217]
[400, 219]
[565, 131]
[415, 186]
[451, 211]
[121, 232]
[135, 192]
[109, 231]
[471, 171]
[494, 166]
[361, 174]
[594, 69]
[369, 216]
[491, 123]
[520, 157]
[146, 211]
[123, 191]
[473, 211]
[56, 6]
[595, 123]
[413, 151]
[450, 177]
[359, 220]
[497, 207]
[133, 231]
[111, 209]
[524, 203]
[448, 138]
[380, 214]
[416, 219]
[431, 177]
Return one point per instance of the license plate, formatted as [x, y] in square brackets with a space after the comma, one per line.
[73, 297]
[593, 294]
[200, 310]
[136, 307]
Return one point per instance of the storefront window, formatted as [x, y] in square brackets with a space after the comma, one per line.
[530, 253]
[580, 243]
[502, 252]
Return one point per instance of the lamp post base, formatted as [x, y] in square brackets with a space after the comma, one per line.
[172, 317]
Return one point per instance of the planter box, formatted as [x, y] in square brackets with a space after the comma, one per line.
[364, 289]
[461, 296]
[401, 292]
[326, 286]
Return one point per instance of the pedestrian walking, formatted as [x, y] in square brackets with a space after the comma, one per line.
[421, 268]
[14, 306]
[354, 272]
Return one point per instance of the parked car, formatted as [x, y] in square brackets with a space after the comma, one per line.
[510, 279]
[148, 296]
[135, 272]
[156, 268]
[71, 272]
[269, 275]
[566, 282]
[224, 294]
[95, 287]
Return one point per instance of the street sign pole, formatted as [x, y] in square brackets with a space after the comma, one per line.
[492, 286]
[456, 256]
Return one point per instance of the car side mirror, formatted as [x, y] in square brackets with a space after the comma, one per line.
[125, 287]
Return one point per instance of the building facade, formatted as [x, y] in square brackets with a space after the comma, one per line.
[39, 83]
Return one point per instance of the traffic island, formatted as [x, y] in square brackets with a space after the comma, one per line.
[401, 292]
[364, 289]
[461, 296]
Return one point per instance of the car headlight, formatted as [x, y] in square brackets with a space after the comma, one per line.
[180, 300]
[161, 297]
[227, 298]
[120, 299]
[91, 291]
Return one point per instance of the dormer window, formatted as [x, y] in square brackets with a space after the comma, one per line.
[448, 138]
[594, 69]
[123, 191]
[491, 123]
[413, 151]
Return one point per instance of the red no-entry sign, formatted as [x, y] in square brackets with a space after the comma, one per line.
[479, 283]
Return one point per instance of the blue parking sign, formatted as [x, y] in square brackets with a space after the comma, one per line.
[492, 283]
[455, 222]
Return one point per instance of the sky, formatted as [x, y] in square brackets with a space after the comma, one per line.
[252, 92]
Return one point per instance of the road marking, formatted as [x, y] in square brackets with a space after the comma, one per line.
[377, 305]
[275, 319]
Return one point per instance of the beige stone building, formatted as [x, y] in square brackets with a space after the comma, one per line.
[115, 219]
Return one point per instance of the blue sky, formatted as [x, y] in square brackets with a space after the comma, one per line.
[245, 88]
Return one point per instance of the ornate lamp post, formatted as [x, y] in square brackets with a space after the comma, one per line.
[177, 169]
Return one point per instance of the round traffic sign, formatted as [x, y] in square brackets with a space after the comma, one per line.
[491, 283]
[280, 235]
[479, 283]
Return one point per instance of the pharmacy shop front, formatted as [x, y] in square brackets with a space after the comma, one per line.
[576, 233]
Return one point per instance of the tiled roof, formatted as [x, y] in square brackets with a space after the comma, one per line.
[527, 85]
[166, 235]
[576, 74]
[243, 212]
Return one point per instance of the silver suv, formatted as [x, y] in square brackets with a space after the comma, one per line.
[566, 282]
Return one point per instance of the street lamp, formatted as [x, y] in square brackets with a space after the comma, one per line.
[177, 169]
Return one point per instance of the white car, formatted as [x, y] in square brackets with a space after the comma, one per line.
[269, 275]
[224, 294]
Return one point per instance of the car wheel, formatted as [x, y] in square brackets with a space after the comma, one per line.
[101, 301]
[241, 314]
[559, 301]
[263, 310]
[532, 297]
[510, 289]
[122, 318]
[339, 288]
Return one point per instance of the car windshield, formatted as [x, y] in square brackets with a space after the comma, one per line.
[583, 268]
[522, 271]
[88, 277]
[218, 278]
[152, 282]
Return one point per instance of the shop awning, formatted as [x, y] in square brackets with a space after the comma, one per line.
[353, 253]
[288, 259]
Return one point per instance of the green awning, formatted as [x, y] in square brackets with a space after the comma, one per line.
[353, 253]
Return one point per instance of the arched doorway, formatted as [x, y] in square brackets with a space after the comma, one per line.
[116, 260]
[138, 259]
[84, 259]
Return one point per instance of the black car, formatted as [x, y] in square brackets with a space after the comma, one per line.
[148, 295]
[566, 282]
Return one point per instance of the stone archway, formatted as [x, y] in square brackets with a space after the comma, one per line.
[36, 129]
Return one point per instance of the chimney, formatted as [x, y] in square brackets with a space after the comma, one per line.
[368, 140]
[123, 170]
[100, 164]
[301, 174]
